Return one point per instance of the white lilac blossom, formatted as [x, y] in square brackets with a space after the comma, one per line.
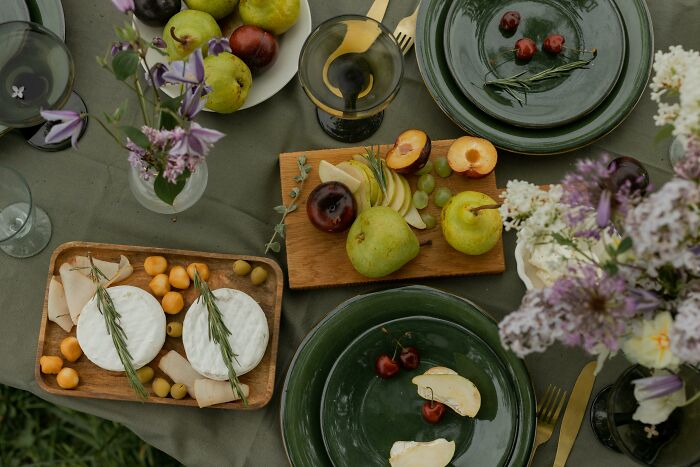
[685, 334]
[533, 328]
[70, 125]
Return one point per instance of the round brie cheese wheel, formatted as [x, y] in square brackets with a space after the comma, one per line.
[142, 320]
[249, 334]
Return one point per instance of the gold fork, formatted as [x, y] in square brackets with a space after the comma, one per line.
[405, 32]
[548, 409]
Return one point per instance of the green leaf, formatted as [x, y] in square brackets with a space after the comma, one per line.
[167, 191]
[119, 111]
[280, 229]
[274, 246]
[135, 135]
[126, 33]
[295, 192]
[625, 245]
[125, 64]
[167, 119]
[665, 132]
[281, 209]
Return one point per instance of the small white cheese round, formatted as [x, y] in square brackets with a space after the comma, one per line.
[249, 334]
[142, 320]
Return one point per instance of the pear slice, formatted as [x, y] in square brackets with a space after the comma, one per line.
[408, 201]
[446, 386]
[327, 172]
[399, 192]
[362, 195]
[437, 453]
[375, 191]
[414, 219]
[390, 187]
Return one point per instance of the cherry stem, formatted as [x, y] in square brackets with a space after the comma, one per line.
[486, 206]
[432, 396]
[178, 39]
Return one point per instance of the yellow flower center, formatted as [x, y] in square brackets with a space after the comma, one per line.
[662, 341]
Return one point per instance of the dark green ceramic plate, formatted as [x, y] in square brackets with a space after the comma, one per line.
[318, 353]
[477, 50]
[603, 119]
[363, 415]
[14, 10]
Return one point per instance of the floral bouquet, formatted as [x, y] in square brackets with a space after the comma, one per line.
[620, 267]
[169, 146]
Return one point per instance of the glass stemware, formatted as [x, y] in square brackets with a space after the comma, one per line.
[25, 229]
[350, 68]
[36, 73]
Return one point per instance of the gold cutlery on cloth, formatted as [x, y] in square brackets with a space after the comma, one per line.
[573, 415]
[405, 32]
[548, 409]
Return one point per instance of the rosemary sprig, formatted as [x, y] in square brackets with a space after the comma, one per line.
[219, 333]
[280, 228]
[518, 83]
[374, 161]
[114, 329]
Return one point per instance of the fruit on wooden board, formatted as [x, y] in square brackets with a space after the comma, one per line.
[410, 152]
[331, 207]
[363, 193]
[242, 267]
[50, 364]
[258, 275]
[70, 348]
[217, 8]
[159, 285]
[276, 16]
[437, 453]
[414, 218]
[472, 233]
[173, 302]
[328, 172]
[375, 191]
[145, 374]
[174, 329]
[380, 242]
[472, 157]
[230, 80]
[178, 391]
[189, 30]
[445, 385]
[154, 265]
[161, 387]
[156, 12]
[67, 378]
[255, 46]
[202, 270]
[179, 278]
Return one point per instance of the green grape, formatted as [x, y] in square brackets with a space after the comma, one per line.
[442, 167]
[420, 199]
[426, 169]
[442, 196]
[426, 183]
[429, 220]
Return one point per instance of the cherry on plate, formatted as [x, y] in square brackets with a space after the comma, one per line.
[510, 21]
[553, 43]
[525, 49]
[432, 411]
[386, 367]
[410, 358]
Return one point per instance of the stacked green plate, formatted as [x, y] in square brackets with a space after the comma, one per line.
[435, 22]
[336, 411]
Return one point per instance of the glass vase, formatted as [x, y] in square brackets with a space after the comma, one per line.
[145, 193]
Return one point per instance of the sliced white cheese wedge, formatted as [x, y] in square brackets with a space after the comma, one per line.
[78, 288]
[446, 386]
[58, 307]
[115, 272]
[179, 370]
[327, 172]
[210, 392]
[124, 271]
[437, 453]
[249, 334]
[142, 320]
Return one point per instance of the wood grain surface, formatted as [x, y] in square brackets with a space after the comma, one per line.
[102, 384]
[318, 259]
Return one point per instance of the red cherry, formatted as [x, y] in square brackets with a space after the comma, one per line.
[432, 411]
[553, 43]
[386, 367]
[525, 49]
[410, 358]
[510, 21]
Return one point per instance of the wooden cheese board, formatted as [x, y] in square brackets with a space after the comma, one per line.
[318, 259]
[102, 384]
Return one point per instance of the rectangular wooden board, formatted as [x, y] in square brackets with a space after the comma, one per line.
[102, 384]
[318, 259]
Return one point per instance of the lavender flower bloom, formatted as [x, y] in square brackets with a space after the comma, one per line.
[689, 167]
[532, 328]
[119, 47]
[70, 126]
[187, 72]
[218, 45]
[137, 159]
[159, 43]
[157, 71]
[174, 167]
[196, 141]
[657, 386]
[685, 334]
[193, 101]
[125, 6]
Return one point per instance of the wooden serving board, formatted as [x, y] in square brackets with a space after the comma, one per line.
[102, 384]
[318, 259]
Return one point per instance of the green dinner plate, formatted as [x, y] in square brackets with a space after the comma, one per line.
[362, 415]
[14, 10]
[603, 119]
[477, 50]
[300, 415]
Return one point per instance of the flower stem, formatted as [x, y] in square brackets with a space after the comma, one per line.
[142, 101]
[110, 132]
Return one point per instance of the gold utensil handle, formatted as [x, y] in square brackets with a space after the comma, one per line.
[377, 10]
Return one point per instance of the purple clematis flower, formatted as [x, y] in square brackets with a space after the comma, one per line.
[218, 45]
[196, 141]
[70, 126]
[119, 47]
[657, 386]
[157, 71]
[604, 209]
[125, 6]
[159, 43]
[187, 72]
[193, 101]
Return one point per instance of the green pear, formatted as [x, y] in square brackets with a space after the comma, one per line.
[275, 16]
[230, 80]
[380, 242]
[217, 8]
[187, 31]
[472, 233]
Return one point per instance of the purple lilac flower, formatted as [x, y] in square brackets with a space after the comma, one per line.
[196, 141]
[193, 101]
[137, 159]
[689, 167]
[119, 47]
[159, 139]
[70, 126]
[217, 45]
[685, 334]
[125, 6]
[533, 327]
[657, 386]
[159, 43]
[187, 72]
[175, 166]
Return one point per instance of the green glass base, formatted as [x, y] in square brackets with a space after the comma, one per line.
[349, 131]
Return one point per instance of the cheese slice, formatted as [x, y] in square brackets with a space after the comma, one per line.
[142, 320]
[115, 272]
[179, 370]
[79, 289]
[437, 453]
[58, 307]
[249, 334]
[210, 392]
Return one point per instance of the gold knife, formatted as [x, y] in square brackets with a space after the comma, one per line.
[573, 415]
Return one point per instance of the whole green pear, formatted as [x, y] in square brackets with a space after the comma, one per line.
[230, 80]
[187, 31]
[380, 242]
[472, 233]
[217, 8]
[275, 16]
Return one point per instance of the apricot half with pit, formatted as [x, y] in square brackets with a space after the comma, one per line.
[472, 157]
[410, 153]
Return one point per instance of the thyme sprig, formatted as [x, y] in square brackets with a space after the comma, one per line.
[523, 84]
[285, 210]
[219, 333]
[112, 318]
[375, 163]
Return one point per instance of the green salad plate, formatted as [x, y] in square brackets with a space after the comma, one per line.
[606, 116]
[336, 411]
[477, 50]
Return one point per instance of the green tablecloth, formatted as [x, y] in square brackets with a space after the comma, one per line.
[87, 196]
